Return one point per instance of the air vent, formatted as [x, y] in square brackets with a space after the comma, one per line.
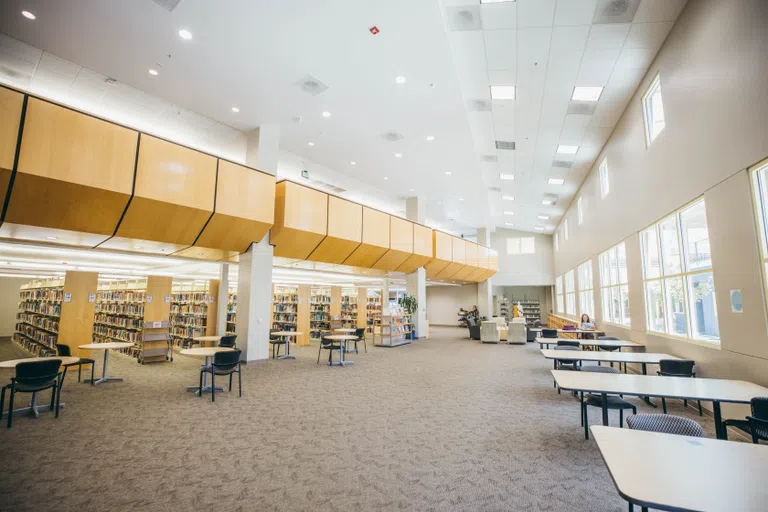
[490, 159]
[392, 136]
[562, 163]
[168, 5]
[479, 105]
[495, 189]
[326, 187]
[311, 85]
[505, 144]
[464, 17]
[584, 108]
[615, 11]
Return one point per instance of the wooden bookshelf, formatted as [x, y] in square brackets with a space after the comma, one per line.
[394, 330]
[373, 310]
[231, 323]
[37, 319]
[285, 300]
[119, 312]
[193, 309]
[349, 307]
[319, 312]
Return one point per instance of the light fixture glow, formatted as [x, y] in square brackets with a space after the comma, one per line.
[310, 144]
[28, 15]
[185, 34]
[386, 178]
[398, 155]
[400, 80]
[543, 217]
[153, 72]
[430, 138]
[326, 114]
[235, 110]
[586, 93]
[539, 228]
[461, 199]
[447, 173]
[546, 202]
[555, 181]
[495, 1]
[564, 149]
[508, 224]
[502, 92]
[352, 163]
[508, 198]
[51, 238]
[507, 176]
[507, 212]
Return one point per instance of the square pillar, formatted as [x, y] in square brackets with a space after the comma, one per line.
[223, 299]
[485, 289]
[416, 285]
[254, 301]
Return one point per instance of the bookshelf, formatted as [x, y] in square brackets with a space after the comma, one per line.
[531, 310]
[231, 324]
[349, 307]
[193, 309]
[37, 319]
[319, 312]
[504, 308]
[119, 312]
[373, 310]
[285, 300]
[395, 329]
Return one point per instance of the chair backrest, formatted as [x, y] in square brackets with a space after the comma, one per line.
[549, 333]
[537, 323]
[566, 347]
[676, 367]
[226, 360]
[228, 341]
[63, 350]
[600, 369]
[360, 332]
[471, 321]
[665, 423]
[759, 406]
[607, 338]
[324, 341]
[568, 343]
[37, 371]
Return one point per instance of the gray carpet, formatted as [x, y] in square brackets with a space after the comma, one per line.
[442, 424]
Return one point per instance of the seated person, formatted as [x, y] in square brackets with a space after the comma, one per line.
[586, 323]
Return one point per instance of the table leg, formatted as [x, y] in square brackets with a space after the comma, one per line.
[104, 377]
[34, 408]
[718, 420]
[287, 349]
[206, 386]
[647, 399]
[605, 409]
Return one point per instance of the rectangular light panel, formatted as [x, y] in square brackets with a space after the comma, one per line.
[586, 93]
[502, 92]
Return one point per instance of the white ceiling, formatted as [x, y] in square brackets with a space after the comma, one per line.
[252, 54]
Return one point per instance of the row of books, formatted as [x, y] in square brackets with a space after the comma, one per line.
[121, 296]
[128, 309]
[285, 298]
[283, 308]
[319, 299]
[44, 337]
[188, 321]
[44, 322]
[32, 346]
[42, 308]
[320, 307]
[186, 331]
[114, 334]
[190, 297]
[136, 324]
[285, 317]
[45, 294]
[189, 309]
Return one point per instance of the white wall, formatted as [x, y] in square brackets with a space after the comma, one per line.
[523, 269]
[713, 79]
[9, 303]
[443, 302]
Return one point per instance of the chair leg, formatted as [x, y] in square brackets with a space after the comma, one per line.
[365, 345]
[621, 418]
[58, 396]
[2, 401]
[318, 352]
[700, 411]
[685, 403]
[93, 365]
[664, 405]
[200, 388]
[586, 421]
[581, 401]
[55, 403]
[53, 398]
[79, 372]
[10, 407]
[239, 382]
[213, 385]
[230, 382]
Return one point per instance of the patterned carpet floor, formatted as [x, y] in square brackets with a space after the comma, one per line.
[442, 424]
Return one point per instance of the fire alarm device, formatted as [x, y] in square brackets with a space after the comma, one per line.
[374, 30]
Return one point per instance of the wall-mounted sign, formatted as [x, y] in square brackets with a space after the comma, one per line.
[157, 325]
[736, 305]
[67, 297]
[212, 299]
[91, 297]
[167, 299]
[149, 299]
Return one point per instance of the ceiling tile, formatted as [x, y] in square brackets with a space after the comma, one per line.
[500, 48]
[611, 36]
[501, 15]
[658, 10]
[535, 13]
[574, 12]
[648, 35]
[19, 50]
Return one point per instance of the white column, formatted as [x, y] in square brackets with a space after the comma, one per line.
[416, 282]
[254, 282]
[385, 297]
[221, 305]
[485, 289]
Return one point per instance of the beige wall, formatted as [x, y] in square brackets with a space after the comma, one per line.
[9, 302]
[443, 302]
[713, 80]
[523, 269]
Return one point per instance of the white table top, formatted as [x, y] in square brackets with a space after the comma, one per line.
[575, 331]
[670, 472]
[345, 329]
[207, 338]
[105, 346]
[719, 390]
[341, 337]
[286, 333]
[13, 362]
[590, 343]
[607, 357]
[204, 351]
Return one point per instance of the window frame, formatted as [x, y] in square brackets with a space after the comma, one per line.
[519, 240]
[557, 243]
[684, 275]
[605, 184]
[559, 296]
[580, 210]
[761, 222]
[586, 286]
[610, 288]
[647, 110]
[570, 293]
[565, 229]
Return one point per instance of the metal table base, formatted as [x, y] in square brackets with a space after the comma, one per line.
[104, 377]
[288, 354]
[206, 387]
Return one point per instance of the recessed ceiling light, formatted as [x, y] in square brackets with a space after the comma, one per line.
[543, 217]
[508, 224]
[586, 93]
[430, 138]
[28, 15]
[310, 144]
[546, 202]
[185, 34]
[411, 190]
[506, 176]
[567, 150]
[398, 155]
[352, 163]
[51, 238]
[326, 114]
[235, 110]
[495, 1]
[555, 181]
[400, 80]
[502, 92]
[153, 72]
[447, 173]
[539, 228]
[386, 178]
[507, 212]
[508, 198]
[138, 247]
[461, 199]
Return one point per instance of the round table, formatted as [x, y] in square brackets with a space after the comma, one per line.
[34, 409]
[345, 330]
[344, 338]
[207, 353]
[286, 335]
[105, 347]
[207, 339]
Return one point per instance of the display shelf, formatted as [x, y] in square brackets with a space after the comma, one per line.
[37, 319]
[349, 307]
[319, 312]
[462, 317]
[231, 325]
[394, 329]
[155, 344]
[530, 309]
[504, 310]
[373, 310]
[284, 308]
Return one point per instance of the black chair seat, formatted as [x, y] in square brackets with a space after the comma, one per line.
[613, 402]
[744, 426]
[218, 371]
[27, 388]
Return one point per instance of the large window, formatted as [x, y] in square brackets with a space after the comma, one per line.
[614, 290]
[677, 273]
[760, 189]
[523, 245]
[580, 210]
[586, 295]
[653, 109]
[570, 294]
[605, 185]
[559, 294]
[557, 243]
[565, 229]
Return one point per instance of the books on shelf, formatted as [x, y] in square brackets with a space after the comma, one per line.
[38, 316]
[119, 312]
[285, 302]
[190, 304]
[231, 327]
[319, 312]
[349, 307]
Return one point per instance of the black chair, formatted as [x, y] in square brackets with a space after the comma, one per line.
[755, 425]
[666, 424]
[330, 346]
[228, 341]
[36, 375]
[474, 328]
[276, 343]
[537, 323]
[224, 363]
[549, 333]
[189, 343]
[677, 368]
[530, 334]
[610, 348]
[64, 351]
[612, 401]
[566, 364]
[360, 333]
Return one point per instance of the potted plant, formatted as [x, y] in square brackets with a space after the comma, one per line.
[410, 304]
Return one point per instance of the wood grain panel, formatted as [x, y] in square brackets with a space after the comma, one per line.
[422, 249]
[213, 310]
[345, 230]
[470, 249]
[10, 116]
[50, 235]
[458, 258]
[375, 239]
[301, 220]
[147, 219]
[482, 265]
[335, 307]
[76, 322]
[362, 310]
[158, 310]
[302, 314]
[400, 243]
[442, 253]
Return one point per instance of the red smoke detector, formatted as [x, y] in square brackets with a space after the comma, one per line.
[374, 30]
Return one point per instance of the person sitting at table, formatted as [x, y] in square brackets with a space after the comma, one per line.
[586, 323]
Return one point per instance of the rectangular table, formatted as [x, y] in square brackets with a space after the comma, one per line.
[683, 388]
[546, 342]
[642, 358]
[570, 331]
[671, 472]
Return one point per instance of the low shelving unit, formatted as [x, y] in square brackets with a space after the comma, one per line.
[394, 330]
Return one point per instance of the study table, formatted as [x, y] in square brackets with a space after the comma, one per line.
[682, 473]
[569, 331]
[207, 339]
[286, 335]
[343, 338]
[641, 358]
[105, 347]
[683, 388]
[207, 353]
[344, 330]
[546, 342]
[34, 408]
